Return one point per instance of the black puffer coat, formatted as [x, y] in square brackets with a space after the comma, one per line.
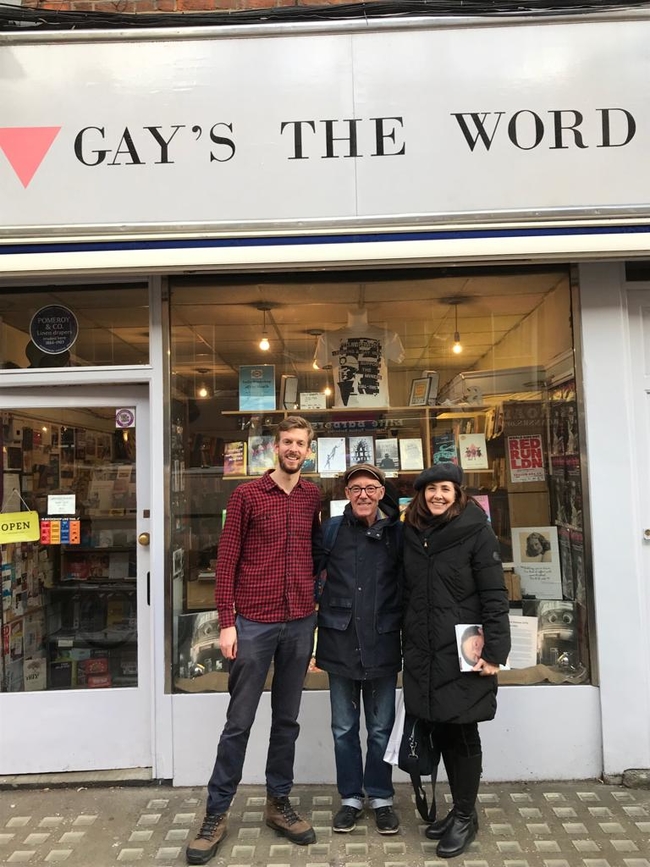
[452, 574]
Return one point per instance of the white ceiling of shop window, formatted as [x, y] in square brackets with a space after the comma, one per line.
[217, 325]
[217, 321]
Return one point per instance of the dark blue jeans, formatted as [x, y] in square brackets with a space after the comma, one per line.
[352, 780]
[289, 647]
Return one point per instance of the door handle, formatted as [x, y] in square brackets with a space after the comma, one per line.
[144, 539]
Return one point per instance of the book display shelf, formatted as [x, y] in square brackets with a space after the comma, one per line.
[92, 623]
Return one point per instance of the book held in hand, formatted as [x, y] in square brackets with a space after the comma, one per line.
[469, 643]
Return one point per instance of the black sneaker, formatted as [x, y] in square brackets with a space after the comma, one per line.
[387, 820]
[346, 819]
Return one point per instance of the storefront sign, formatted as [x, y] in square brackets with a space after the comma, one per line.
[19, 527]
[511, 119]
[54, 329]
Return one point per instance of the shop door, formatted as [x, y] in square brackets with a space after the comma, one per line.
[76, 683]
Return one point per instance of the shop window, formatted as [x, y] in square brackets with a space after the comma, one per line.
[73, 326]
[69, 589]
[401, 368]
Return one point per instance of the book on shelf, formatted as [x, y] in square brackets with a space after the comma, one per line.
[234, 458]
[473, 451]
[566, 562]
[35, 674]
[444, 448]
[311, 461]
[411, 454]
[86, 567]
[362, 450]
[403, 503]
[484, 502]
[331, 455]
[119, 566]
[337, 507]
[261, 454]
[387, 453]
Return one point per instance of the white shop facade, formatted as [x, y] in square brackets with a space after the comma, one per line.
[481, 182]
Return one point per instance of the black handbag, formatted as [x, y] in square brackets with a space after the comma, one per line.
[419, 756]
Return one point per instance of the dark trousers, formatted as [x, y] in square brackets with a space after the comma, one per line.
[460, 746]
[289, 647]
[460, 739]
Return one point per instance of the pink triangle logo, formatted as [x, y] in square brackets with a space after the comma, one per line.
[25, 147]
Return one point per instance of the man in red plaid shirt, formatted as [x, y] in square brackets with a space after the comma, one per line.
[265, 599]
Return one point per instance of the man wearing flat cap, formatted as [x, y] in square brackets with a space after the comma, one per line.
[359, 642]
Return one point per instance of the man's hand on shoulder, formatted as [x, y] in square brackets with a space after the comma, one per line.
[228, 642]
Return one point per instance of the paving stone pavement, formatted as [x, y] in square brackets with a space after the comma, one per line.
[556, 824]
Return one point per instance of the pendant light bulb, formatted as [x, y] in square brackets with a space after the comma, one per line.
[457, 348]
[264, 342]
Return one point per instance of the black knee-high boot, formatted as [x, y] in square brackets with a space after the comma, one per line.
[464, 823]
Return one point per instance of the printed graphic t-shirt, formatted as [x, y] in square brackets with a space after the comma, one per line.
[358, 357]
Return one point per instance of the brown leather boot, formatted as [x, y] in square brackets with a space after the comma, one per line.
[213, 830]
[280, 815]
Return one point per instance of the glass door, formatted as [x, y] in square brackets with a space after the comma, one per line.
[75, 654]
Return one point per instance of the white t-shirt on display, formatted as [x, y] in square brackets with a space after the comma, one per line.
[358, 356]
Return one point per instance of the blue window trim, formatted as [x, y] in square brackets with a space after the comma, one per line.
[313, 240]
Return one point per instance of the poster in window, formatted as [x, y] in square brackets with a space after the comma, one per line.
[536, 555]
[257, 387]
[526, 459]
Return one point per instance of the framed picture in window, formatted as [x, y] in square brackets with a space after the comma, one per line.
[420, 391]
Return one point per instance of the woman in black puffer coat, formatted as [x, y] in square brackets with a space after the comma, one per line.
[452, 575]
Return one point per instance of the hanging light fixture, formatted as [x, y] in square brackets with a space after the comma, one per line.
[264, 342]
[315, 333]
[202, 389]
[457, 348]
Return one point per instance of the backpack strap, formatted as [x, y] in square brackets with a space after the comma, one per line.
[330, 532]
